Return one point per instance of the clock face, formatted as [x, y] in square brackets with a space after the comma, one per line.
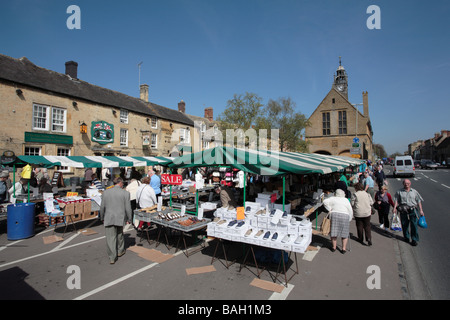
[340, 87]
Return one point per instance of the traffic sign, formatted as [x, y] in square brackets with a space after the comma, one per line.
[355, 139]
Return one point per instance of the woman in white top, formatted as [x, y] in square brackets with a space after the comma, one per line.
[132, 188]
[145, 197]
[362, 208]
[341, 215]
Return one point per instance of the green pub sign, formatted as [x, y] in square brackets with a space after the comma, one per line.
[102, 132]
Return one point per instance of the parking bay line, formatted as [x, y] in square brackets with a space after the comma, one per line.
[126, 277]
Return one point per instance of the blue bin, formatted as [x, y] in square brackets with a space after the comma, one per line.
[20, 224]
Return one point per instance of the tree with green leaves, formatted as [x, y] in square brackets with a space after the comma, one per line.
[280, 114]
[247, 112]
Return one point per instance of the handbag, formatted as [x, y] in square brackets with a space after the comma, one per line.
[326, 225]
[422, 222]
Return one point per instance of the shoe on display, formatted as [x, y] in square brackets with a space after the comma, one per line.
[304, 222]
[248, 209]
[272, 212]
[299, 239]
[221, 222]
[275, 236]
[267, 235]
[232, 223]
[240, 224]
[259, 233]
[248, 233]
[284, 214]
[286, 238]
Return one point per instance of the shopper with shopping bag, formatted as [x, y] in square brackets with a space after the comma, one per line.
[408, 202]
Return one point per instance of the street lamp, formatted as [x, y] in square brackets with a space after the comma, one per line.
[83, 128]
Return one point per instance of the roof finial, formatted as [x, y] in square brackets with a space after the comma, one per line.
[339, 60]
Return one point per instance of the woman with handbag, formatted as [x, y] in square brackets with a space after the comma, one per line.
[383, 203]
[362, 209]
[341, 214]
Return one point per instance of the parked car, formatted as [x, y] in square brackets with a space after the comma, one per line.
[416, 164]
[428, 164]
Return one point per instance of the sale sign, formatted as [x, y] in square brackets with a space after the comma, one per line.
[172, 179]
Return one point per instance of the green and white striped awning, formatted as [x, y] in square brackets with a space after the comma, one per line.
[93, 161]
[265, 162]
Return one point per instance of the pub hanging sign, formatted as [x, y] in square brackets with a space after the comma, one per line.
[102, 132]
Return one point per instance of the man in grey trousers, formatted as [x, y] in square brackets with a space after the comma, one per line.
[115, 211]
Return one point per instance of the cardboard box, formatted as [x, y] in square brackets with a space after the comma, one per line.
[87, 206]
[89, 215]
[76, 217]
[287, 207]
[69, 208]
[79, 207]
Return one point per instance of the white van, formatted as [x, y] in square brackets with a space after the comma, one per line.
[404, 166]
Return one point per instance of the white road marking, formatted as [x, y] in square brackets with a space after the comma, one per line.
[112, 283]
[283, 294]
[445, 186]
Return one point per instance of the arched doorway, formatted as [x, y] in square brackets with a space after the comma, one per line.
[324, 152]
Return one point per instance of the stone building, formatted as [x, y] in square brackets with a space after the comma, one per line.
[43, 113]
[337, 126]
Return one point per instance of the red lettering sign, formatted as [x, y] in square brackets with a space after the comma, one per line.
[171, 179]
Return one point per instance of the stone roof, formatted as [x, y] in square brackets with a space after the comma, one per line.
[22, 71]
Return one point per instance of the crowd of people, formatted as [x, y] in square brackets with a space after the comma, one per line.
[119, 202]
[39, 180]
[365, 202]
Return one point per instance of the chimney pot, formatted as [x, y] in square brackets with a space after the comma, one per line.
[72, 69]
[182, 106]
[209, 114]
[366, 104]
[144, 92]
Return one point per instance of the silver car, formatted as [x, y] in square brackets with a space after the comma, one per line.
[429, 165]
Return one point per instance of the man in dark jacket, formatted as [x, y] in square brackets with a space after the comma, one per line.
[379, 177]
[115, 211]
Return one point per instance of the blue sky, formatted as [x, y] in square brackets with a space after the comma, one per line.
[205, 51]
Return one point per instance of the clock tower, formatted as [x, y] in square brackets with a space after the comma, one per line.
[341, 80]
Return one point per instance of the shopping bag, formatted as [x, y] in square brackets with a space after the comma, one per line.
[326, 225]
[395, 223]
[422, 222]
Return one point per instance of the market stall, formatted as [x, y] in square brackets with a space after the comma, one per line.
[75, 208]
[260, 223]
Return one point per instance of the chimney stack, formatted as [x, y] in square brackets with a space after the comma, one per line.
[182, 106]
[365, 104]
[72, 69]
[209, 114]
[144, 92]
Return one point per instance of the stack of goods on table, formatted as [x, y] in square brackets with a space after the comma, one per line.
[264, 227]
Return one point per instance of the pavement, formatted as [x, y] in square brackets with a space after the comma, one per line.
[77, 268]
